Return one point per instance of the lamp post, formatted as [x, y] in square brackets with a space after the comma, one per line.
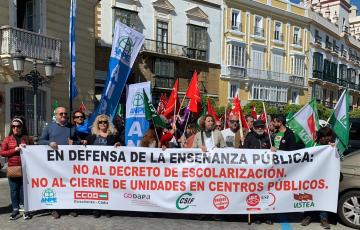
[34, 78]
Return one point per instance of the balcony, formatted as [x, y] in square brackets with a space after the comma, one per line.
[318, 74]
[318, 40]
[278, 37]
[343, 53]
[164, 82]
[234, 72]
[237, 28]
[258, 31]
[335, 49]
[275, 76]
[174, 50]
[345, 29]
[328, 45]
[297, 42]
[32, 45]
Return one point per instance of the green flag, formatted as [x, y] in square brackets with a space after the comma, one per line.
[150, 112]
[339, 121]
[55, 106]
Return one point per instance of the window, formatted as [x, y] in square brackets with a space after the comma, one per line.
[234, 89]
[162, 37]
[317, 37]
[197, 42]
[28, 15]
[342, 74]
[165, 73]
[129, 18]
[277, 63]
[277, 34]
[235, 20]
[257, 59]
[294, 96]
[268, 93]
[236, 55]
[297, 36]
[298, 66]
[22, 104]
[317, 92]
[258, 27]
[317, 65]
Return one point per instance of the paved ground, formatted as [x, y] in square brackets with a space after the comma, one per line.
[132, 221]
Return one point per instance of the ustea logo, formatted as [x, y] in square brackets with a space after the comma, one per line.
[221, 202]
[48, 196]
[184, 201]
[303, 201]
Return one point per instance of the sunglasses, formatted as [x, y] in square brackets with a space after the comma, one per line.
[79, 117]
[103, 122]
[63, 114]
[16, 126]
[234, 121]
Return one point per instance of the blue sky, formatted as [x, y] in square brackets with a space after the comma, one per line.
[354, 2]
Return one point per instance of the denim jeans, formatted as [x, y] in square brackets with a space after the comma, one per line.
[16, 192]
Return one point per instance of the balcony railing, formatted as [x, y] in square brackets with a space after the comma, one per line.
[318, 40]
[164, 82]
[174, 49]
[318, 74]
[345, 29]
[275, 76]
[343, 53]
[258, 31]
[237, 27]
[335, 48]
[278, 36]
[31, 45]
[235, 71]
[328, 45]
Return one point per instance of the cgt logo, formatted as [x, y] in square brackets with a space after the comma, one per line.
[90, 195]
[137, 196]
[184, 201]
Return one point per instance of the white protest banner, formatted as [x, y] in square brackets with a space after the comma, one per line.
[222, 181]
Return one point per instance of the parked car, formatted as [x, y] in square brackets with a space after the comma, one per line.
[354, 136]
[349, 191]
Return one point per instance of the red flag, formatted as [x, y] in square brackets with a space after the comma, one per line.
[193, 92]
[173, 99]
[162, 104]
[263, 117]
[211, 111]
[82, 107]
[253, 112]
[237, 111]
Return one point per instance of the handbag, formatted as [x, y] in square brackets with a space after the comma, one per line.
[14, 171]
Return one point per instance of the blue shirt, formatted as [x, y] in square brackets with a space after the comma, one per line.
[54, 132]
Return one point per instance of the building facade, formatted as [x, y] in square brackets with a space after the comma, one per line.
[334, 53]
[264, 54]
[39, 29]
[181, 36]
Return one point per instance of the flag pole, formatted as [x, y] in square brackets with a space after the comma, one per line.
[267, 124]
[241, 128]
[187, 119]
[225, 116]
[157, 136]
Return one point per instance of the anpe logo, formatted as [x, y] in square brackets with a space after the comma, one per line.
[137, 196]
[253, 199]
[304, 201]
[221, 202]
[48, 196]
[184, 201]
[90, 195]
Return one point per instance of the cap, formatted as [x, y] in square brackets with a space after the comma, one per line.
[258, 123]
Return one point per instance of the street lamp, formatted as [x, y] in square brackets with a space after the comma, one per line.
[34, 78]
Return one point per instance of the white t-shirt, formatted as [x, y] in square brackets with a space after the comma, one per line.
[229, 137]
[209, 142]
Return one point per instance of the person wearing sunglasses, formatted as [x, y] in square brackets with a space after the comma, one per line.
[103, 133]
[10, 148]
[230, 133]
[58, 132]
[80, 128]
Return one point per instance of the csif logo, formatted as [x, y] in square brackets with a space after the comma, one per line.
[184, 201]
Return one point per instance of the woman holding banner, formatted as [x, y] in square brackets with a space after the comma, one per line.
[102, 133]
[209, 137]
[11, 146]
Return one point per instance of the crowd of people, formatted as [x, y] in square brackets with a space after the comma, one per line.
[205, 134]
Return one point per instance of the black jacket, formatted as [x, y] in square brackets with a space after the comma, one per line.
[254, 141]
[288, 142]
[111, 139]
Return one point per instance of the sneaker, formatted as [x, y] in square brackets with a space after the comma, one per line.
[325, 223]
[14, 214]
[73, 214]
[306, 221]
[96, 214]
[108, 214]
[55, 214]
[27, 216]
[257, 222]
[269, 222]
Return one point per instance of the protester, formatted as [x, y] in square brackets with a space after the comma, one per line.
[150, 139]
[120, 127]
[209, 137]
[58, 133]
[102, 133]
[80, 131]
[325, 136]
[229, 133]
[10, 148]
[187, 140]
[168, 138]
[284, 138]
[249, 121]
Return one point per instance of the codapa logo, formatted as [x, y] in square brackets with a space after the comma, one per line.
[124, 48]
[48, 196]
[184, 201]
